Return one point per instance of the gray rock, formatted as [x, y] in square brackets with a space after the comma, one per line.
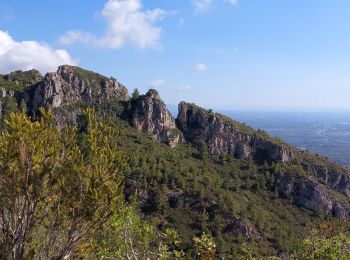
[307, 192]
[2, 92]
[226, 136]
[66, 90]
[149, 114]
[334, 176]
[70, 85]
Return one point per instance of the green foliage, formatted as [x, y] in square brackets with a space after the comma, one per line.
[329, 240]
[9, 105]
[242, 252]
[52, 194]
[135, 94]
[19, 80]
[205, 246]
[170, 244]
[125, 236]
[334, 248]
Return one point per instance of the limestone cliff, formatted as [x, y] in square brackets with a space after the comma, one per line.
[226, 136]
[149, 114]
[70, 85]
[308, 193]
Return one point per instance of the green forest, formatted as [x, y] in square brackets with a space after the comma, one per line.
[104, 190]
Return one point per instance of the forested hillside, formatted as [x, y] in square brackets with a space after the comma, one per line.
[133, 182]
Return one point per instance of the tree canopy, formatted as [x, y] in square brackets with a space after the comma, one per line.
[53, 193]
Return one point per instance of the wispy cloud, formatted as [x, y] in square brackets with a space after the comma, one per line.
[127, 22]
[157, 83]
[201, 67]
[28, 55]
[202, 5]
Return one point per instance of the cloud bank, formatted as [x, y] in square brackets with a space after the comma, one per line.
[28, 55]
[127, 23]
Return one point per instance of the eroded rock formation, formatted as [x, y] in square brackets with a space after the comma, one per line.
[70, 85]
[226, 136]
[310, 194]
[149, 114]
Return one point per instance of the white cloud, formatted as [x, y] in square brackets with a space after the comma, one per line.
[126, 23]
[201, 67]
[181, 88]
[202, 5]
[75, 36]
[157, 82]
[28, 55]
[232, 2]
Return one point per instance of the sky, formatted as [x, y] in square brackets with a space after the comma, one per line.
[291, 55]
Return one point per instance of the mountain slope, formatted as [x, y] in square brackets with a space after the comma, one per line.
[200, 170]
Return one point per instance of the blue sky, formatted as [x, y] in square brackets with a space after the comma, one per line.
[245, 54]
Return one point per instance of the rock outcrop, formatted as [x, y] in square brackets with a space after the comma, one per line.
[226, 136]
[149, 114]
[333, 176]
[308, 193]
[70, 85]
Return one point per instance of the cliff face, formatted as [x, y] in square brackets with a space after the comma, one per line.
[310, 194]
[70, 85]
[334, 176]
[226, 136]
[149, 114]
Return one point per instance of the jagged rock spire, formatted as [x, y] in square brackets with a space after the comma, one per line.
[149, 114]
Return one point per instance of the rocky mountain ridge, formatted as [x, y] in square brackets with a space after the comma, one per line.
[66, 90]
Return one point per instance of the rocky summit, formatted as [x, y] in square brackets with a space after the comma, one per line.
[70, 85]
[149, 114]
[218, 165]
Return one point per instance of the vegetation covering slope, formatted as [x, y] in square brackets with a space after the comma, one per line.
[179, 202]
[236, 200]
